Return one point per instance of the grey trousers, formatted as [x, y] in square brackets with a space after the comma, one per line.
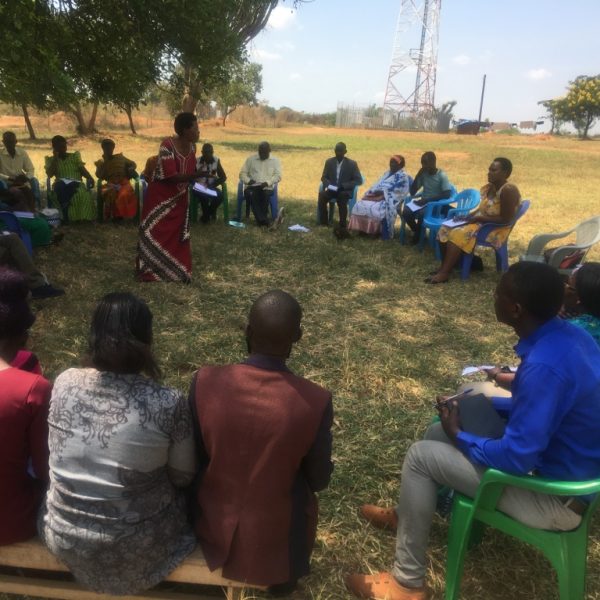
[435, 462]
[14, 254]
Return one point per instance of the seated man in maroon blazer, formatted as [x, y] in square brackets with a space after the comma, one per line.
[264, 444]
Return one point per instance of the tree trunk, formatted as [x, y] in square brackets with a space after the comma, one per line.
[91, 127]
[28, 122]
[81, 126]
[226, 113]
[189, 103]
[129, 116]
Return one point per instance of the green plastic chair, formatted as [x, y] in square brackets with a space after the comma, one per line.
[194, 204]
[566, 550]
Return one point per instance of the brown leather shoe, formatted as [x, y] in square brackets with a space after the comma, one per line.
[382, 518]
[382, 586]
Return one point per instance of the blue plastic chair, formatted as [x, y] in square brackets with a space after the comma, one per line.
[439, 203]
[465, 201]
[273, 201]
[333, 201]
[11, 223]
[502, 252]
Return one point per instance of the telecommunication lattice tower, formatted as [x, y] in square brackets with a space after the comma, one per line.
[414, 15]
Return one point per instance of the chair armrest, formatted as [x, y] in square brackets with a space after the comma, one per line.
[462, 212]
[558, 254]
[493, 483]
[537, 243]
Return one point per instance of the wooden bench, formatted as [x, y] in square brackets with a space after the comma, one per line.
[34, 555]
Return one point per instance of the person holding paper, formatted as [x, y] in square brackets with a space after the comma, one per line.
[340, 176]
[120, 200]
[552, 431]
[259, 175]
[74, 198]
[206, 189]
[434, 185]
[381, 200]
[164, 251]
[16, 168]
[499, 203]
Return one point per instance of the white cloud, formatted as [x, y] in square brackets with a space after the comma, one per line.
[379, 95]
[260, 54]
[537, 74]
[461, 60]
[281, 17]
[295, 76]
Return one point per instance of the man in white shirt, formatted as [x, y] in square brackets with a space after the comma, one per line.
[259, 175]
[16, 168]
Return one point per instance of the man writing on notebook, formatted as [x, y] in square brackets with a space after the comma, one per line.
[551, 432]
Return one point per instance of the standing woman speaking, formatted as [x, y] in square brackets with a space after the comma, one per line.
[164, 252]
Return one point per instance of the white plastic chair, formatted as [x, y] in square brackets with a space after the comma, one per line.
[586, 233]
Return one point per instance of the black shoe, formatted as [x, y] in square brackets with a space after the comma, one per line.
[282, 589]
[341, 233]
[46, 291]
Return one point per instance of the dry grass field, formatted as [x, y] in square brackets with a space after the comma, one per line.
[382, 340]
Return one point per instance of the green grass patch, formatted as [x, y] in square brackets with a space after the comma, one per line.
[374, 333]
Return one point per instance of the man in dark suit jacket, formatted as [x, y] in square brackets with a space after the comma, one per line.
[340, 176]
[264, 442]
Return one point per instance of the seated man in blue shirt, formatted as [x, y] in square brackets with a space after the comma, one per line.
[435, 186]
[552, 431]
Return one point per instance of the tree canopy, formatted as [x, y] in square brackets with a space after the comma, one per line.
[67, 53]
[242, 86]
[580, 106]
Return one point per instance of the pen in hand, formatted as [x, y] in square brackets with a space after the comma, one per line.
[448, 400]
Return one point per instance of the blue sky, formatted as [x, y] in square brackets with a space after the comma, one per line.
[340, 50]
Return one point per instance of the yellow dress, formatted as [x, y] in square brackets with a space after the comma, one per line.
[465, 236]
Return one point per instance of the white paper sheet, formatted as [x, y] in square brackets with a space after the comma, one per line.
[298, 227]
[470, 370]
[333, 188]
[204, 190]
[412, 205]
[452, 223]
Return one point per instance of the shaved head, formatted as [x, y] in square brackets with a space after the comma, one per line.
[274, 324]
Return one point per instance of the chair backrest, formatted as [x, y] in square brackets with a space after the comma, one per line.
[588, 232]
[434, 208]
[467, 200]
[523, 207]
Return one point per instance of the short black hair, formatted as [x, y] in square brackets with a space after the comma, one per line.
[429, 155]
[537, 287]
[341, 145]
[9, 134]
[587, 286]
[15, 314]
[207, 146]
[58, 139]
[121, 336]
[183, 121]
[505, 164]
[107, 142]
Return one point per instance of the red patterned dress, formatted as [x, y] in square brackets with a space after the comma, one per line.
[164, 252]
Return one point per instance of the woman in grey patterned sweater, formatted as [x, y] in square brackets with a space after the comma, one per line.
[121, 449]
